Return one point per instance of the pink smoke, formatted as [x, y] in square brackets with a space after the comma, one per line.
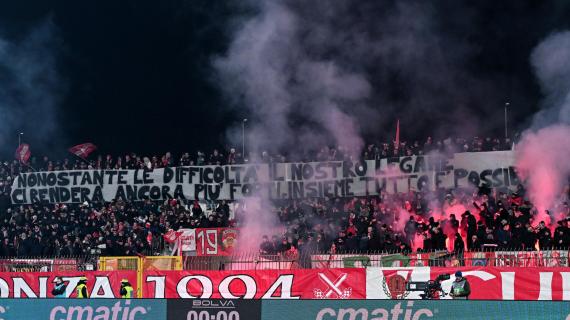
[543, 163]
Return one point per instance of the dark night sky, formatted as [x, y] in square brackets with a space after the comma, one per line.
[138, 72]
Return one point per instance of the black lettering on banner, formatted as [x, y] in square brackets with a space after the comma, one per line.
[298, 189]
[166, 192]
[208, 175]
[405, 165]
[361, 168]
[144, 192]
[75, 194]
[497, 175]
[311, 189]
[146, 177]
[22, 180]
[121, 177]
[85, 194]
[459, 174]
[167, 175]
[198, 189]
[43, 194]
[485, 181]
[296, 171]
[154, 193]
[18, 196]
[233, 188]
[193, 172]
[420, 165]
[250, 174]
[422, 183]
[74, 175]
[214, 191]
[437, 179]
[334, 168]
[179, 192]
[97, 194]
[473, 178]
[327, 188]
[247, 190]
[347, 186]
[62, 179]
[51, 179]
[53, 195]
[98, 177]
[32, 180]
[86, 178]
[237, 170]
[64, 194]
[218, 175]
[111, 174]
[339, 187]
[120, 194]
[227, 175]
[320, 172]
[347, 171]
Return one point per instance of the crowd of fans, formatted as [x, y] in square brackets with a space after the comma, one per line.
[454, 220]
[234, 156]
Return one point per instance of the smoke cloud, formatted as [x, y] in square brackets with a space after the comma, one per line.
[312, 73]
[543, 152]
[30, 86]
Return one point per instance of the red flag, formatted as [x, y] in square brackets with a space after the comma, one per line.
[83, 150]
[23, 153]
[398, 133]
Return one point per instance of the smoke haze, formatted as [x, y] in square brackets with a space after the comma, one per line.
[30, 86]
[312, 73]
[544, 151]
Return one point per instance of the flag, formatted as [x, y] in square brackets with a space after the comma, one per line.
[23, 153]
[83, 150]
[397, 134]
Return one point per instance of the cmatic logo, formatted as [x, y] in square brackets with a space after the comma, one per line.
[376, 314]
[97, 313]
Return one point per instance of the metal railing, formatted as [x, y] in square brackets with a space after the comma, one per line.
[497, 258]
[48, 264]
[256, 261]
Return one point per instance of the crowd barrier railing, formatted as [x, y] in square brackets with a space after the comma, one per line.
[347, 259]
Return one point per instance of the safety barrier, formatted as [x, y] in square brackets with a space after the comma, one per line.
[140, 265]
[161, 309]
[48, 264]
[307, 260]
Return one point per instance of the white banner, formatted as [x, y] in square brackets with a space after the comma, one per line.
[276, 181]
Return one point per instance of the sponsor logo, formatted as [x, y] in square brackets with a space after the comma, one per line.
[379, 313]
[119, 310]
[333, 289]
[213, 304]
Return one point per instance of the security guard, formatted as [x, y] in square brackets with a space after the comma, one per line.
[58, 288]
[126, 289]
[82, 288]
[460, 288]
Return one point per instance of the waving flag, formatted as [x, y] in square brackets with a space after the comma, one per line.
[83, 150]
[23, 153]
